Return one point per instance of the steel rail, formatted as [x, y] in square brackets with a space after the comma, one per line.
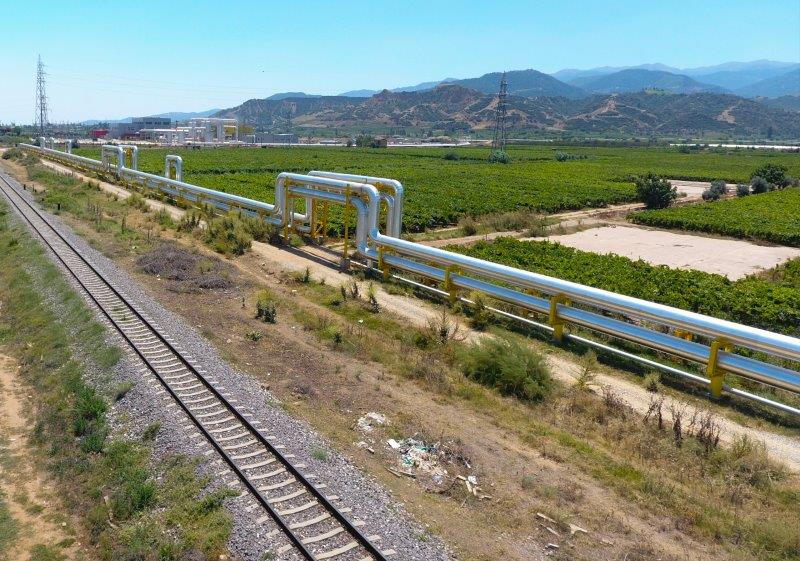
[285, 526]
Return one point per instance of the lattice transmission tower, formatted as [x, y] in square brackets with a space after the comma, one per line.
[499, 141]
[41, 99]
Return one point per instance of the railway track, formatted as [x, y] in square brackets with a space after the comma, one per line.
[315, 527]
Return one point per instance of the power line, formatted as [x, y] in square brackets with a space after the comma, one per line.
[41, 99]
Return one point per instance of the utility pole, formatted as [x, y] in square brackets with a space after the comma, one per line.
[499, 141]
[41, 99]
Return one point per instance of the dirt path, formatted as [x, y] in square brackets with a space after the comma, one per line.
[32, 501]
[321, 265]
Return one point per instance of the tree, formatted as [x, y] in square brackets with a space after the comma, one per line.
[742, 190]
[366, 141]
[654, 191]
[773, 173]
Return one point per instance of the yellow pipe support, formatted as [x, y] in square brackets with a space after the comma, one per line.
[683, 334]
[555, 321]
[324, 224]
[346, 221]
[452, 290]
[713, 371]
[382, 264]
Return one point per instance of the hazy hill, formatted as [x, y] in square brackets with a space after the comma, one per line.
[728, 75]
[736, 79]
[287, 95]
[569, 74]
[784, 84]
[417, 88]
[633, 80]
[174, 115]
[454, 107]
[526, 83]
[787, 102]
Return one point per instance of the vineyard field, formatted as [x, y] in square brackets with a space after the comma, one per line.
[773, 217]
[440, 191]
[759, 302]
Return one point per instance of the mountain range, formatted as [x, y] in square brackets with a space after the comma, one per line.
[759, 78]
[602, 99]
[174, 115]
[453, 108]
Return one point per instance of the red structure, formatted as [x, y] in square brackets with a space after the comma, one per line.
[98, 133]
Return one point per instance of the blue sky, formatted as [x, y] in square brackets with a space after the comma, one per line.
[117, 59]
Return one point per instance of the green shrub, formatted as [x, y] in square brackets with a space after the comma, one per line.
[715, 191]
[265, 307]
[654, 191]
[760, 185]
[12, 154]
[189, 222]
[742, 190]
[260, 230]
[468, 226]
[652, 382]
[164, 218]
[511, 368]
[452, 156]
[480, 318]
[499, 157]
[227, 235]
[151, 431]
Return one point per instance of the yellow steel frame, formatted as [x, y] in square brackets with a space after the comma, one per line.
[451, 289]
[346, 223]
[556, 322]
[715, 374]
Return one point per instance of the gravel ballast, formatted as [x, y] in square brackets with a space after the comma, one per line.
[148, 403]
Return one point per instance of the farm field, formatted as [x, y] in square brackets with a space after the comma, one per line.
[759, 302]
[440, 191]
[773, 217]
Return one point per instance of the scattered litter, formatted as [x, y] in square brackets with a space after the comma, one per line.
[545, 517]
[429, 462]
[549, 529]
[552, 546]
[573, 529]
[365, 446]
[368, 422]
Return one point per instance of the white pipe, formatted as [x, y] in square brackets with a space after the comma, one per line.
[109, 149]
[173, 162]
[134, 152]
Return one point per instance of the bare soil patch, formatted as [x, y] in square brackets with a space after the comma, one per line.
[34, 505]
[732, 258]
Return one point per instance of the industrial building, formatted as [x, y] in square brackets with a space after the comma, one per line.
[130, 131]
[208, 130]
